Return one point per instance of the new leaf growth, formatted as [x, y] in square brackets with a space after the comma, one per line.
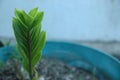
[30, 38]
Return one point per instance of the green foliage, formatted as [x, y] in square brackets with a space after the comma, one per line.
[30, 38]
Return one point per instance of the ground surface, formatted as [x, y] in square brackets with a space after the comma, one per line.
[49, 69]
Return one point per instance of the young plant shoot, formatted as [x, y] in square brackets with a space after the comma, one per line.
[30, 38]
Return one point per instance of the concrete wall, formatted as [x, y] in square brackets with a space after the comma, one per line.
[69, 19]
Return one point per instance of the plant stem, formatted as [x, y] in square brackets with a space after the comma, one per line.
[22, 74]
[30, 56]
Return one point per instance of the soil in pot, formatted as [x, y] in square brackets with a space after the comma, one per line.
[48, 69]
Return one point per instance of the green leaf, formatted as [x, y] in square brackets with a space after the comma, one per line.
[36, 58]
[40, 44]
[25, 18]
[37, 19]
[33, 12]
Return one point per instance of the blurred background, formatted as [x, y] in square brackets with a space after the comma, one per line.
[95, 23]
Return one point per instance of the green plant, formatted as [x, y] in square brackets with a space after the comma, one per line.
[30, 38]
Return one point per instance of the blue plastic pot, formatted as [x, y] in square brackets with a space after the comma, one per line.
[6, 52]
[104, 66]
